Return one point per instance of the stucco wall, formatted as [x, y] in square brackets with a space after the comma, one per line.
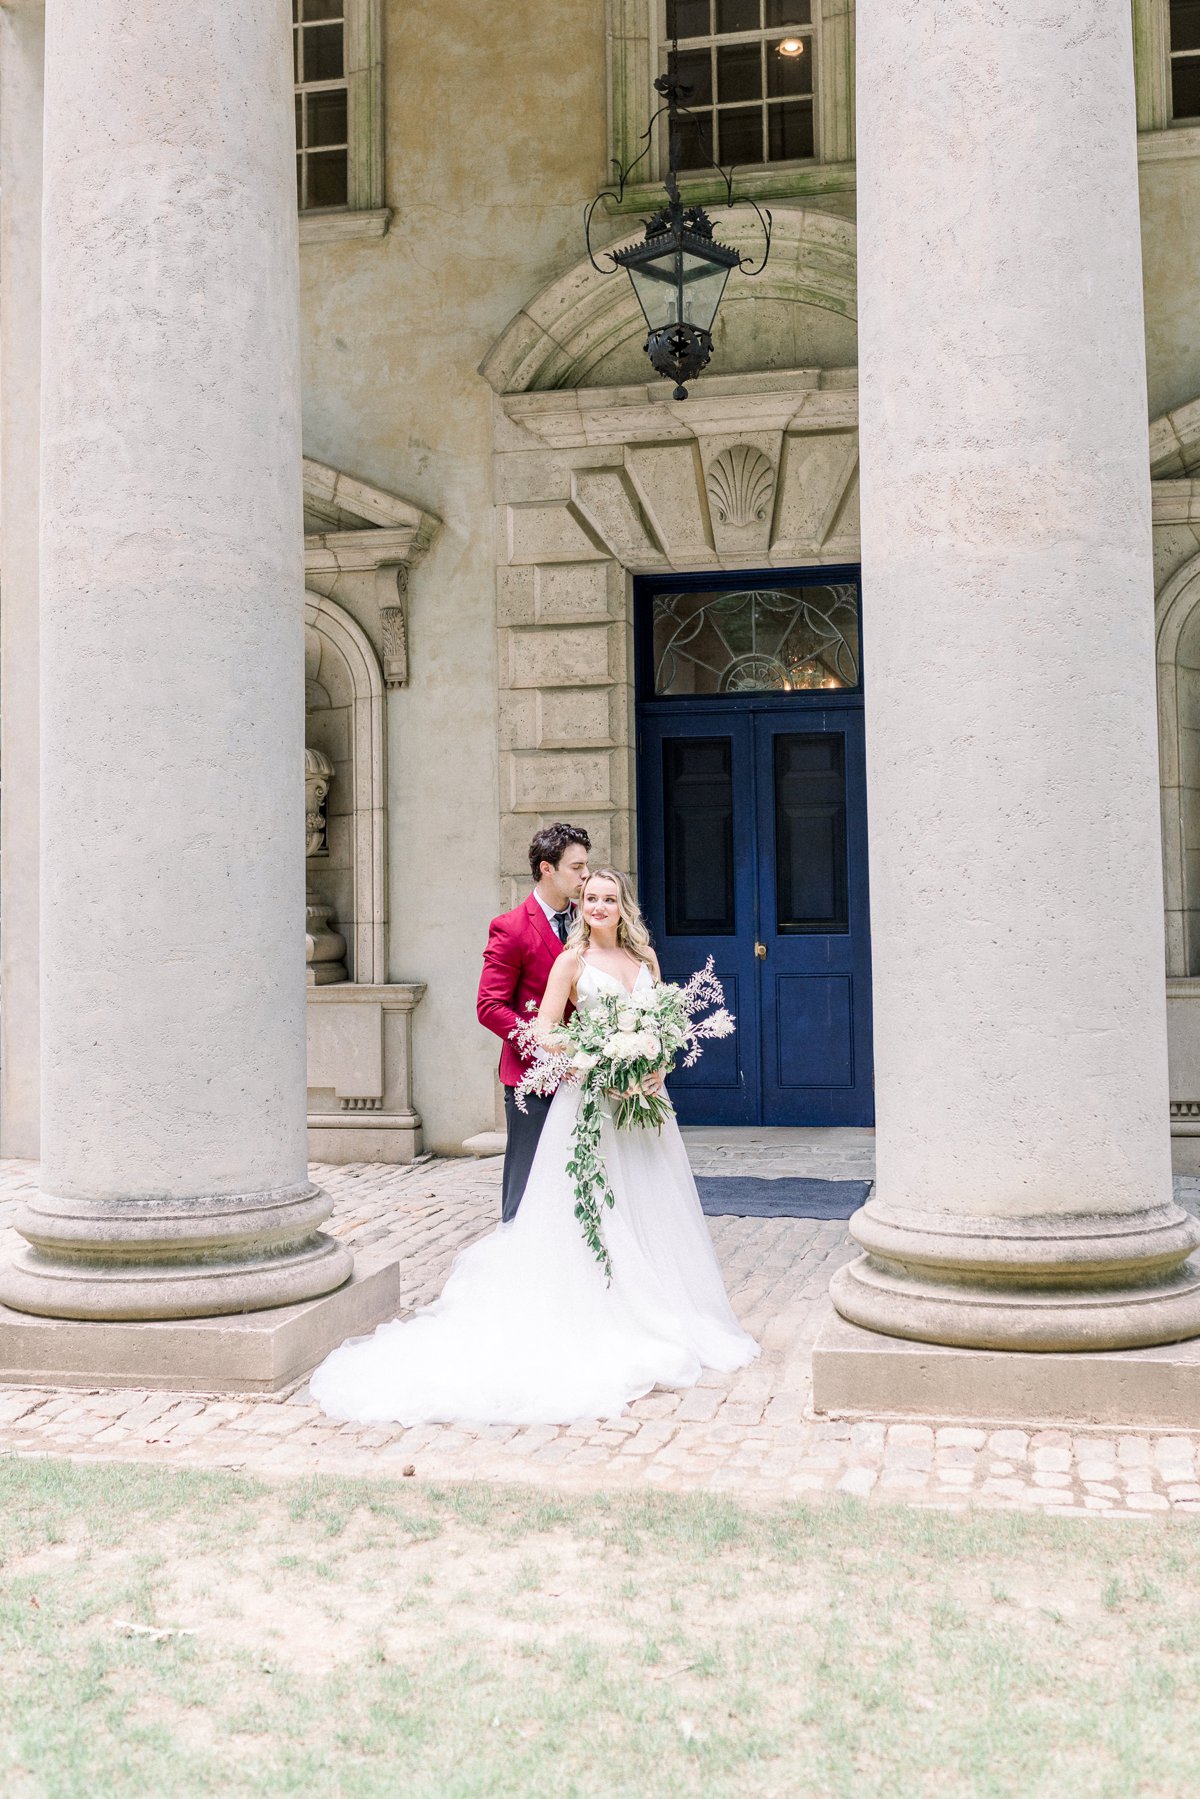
[1170, 190]
[495, 139]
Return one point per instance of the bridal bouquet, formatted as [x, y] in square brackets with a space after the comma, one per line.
[610, 1048]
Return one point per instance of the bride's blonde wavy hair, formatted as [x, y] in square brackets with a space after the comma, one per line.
[632, 934]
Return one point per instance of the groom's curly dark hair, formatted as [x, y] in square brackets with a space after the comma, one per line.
[548, 846]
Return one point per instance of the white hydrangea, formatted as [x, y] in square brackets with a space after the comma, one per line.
[627, 1019]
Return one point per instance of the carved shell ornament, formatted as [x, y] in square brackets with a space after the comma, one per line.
[741, 483]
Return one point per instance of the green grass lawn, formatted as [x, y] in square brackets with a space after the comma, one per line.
[351, 1637]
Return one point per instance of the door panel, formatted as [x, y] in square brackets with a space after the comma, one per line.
[813, 917]
[698, 892]
[814, 1027]
[753, 836]
[810, 832]
[697, 780]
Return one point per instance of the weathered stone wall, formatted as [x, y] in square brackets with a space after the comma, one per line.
[495, 140]
[519, 700]
[1170, 193]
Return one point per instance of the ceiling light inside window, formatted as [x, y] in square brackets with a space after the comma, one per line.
[790, 46]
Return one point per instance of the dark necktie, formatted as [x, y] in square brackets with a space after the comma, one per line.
[562, 924]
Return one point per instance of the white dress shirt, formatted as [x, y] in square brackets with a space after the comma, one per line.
[549, 911]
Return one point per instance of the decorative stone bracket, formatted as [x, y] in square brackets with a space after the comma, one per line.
[391, 587]
[362, 543]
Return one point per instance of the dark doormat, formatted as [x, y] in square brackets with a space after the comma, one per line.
[758, 1196]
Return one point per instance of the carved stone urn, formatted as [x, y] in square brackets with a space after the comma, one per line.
[324, 946]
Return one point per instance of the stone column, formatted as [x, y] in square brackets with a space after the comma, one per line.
[22, 30]
[173, 1054]
[1024, 1185]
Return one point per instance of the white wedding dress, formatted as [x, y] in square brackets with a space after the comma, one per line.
[527, 1330]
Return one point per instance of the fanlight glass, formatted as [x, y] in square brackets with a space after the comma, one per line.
[780, 640]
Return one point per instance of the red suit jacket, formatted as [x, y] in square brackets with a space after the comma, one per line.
[522, 948]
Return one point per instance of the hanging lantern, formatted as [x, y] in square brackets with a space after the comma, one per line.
[679, 270]
[679, 274]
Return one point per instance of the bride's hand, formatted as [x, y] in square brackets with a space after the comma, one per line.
[654, 1084]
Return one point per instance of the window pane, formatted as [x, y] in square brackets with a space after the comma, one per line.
[1185, 87]
[740, 134]
[810, 834]
[695, 71]
[695, 142]
[327, 178]
[789, 74]
[1185, 24]
[771, 640]
[788, 12]
[790, 131]
[300, 182]
[739, 72]
[698, 816]
[738, 15]
[327, 116]
[323, 9]
[299, 125]
[693, 18]
[323, 53]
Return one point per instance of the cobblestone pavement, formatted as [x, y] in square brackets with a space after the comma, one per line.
[750, 1434]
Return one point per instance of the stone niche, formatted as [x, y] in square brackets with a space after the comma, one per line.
[359, 547]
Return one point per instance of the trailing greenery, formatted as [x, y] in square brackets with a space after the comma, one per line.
[589, 1171]
[610, 1048]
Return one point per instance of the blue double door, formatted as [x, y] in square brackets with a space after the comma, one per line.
[753, 850]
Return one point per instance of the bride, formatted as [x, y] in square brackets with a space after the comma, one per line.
[527, 1329]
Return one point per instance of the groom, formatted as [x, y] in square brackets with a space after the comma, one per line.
[521, 950]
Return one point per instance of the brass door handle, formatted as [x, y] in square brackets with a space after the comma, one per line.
[760, 950]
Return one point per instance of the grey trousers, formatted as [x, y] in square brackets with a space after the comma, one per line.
[524, 1130]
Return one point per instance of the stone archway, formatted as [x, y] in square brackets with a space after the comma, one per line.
[585, 329]
[758, 468]
[360, 546]
[344, 706]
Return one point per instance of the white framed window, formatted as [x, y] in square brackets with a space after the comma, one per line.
[786, 119]
[322, 104]
[337, 71]
[1185, 59]
[753, 67]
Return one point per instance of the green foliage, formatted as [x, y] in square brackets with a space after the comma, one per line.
[611, 1048]
[589, 1172]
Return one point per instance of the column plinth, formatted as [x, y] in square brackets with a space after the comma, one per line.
[1051, 1283]
[173, 1160]
[1023, 1196]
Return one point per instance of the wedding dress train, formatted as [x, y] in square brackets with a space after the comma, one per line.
[527, 1330]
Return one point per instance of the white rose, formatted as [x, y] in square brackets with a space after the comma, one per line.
[627, 1020]
[622, 1046]
[649, 1046]
[583, 1061]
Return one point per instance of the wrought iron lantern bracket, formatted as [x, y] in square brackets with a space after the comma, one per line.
[678, 270]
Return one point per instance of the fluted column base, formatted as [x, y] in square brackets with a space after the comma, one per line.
[1043, 1283]
[165, 1259]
